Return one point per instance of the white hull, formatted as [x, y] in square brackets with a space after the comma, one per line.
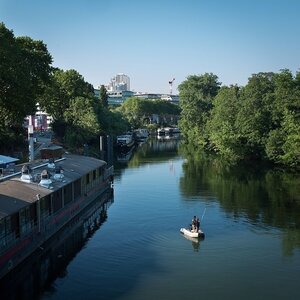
[192, 234]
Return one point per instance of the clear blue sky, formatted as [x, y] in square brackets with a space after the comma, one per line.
[153, 41]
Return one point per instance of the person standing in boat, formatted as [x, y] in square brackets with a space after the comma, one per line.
[197, 224]
[194, 223]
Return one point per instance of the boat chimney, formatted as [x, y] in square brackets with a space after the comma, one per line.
[26, 174]
[45, 179]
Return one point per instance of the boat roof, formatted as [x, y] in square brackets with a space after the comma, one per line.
[7, 160]
[16, 194]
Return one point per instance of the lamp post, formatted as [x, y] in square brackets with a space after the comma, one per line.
[38, 204]
[30, 140]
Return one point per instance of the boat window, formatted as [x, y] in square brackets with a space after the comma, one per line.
[13, 224]
[77, 188]
[45, 206]
[8, 236]
[87, 180]
[24, 218]
[2, 228]
[33, 213]
[7, 225]
[94, 175]
[67, 194]
[57, 200]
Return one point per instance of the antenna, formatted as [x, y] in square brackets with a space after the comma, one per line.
[171, 85]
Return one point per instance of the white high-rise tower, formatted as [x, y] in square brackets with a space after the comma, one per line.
[120, 82]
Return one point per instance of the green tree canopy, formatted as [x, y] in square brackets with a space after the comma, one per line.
[82, 121]
[63, 87]
[283, 143]
[139, 111]
[258, 121]
[254, 116]
[196, 95]
[103, 96]
[221, 126]
[24, 69]
[25, 66]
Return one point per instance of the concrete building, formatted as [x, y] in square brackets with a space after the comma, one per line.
[118, 90]
[120, 82]
[40, 121]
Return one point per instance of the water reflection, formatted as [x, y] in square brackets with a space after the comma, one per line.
[241, 256]
[265, 197]
[195, 242]
[49, 262]
[153, 151]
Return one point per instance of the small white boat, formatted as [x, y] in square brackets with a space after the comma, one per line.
[161, 131]
[193, 234]
[192, 239]
[141, 134]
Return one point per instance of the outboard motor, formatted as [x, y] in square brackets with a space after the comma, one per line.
[26, 174]
[45, 179]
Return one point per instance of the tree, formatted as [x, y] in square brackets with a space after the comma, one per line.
[221, 127]
[24, 69]
[254, 118]
[103, 96]
[138, 111]
[133, 109]
[81, 121]
[25, 66]
[196, 95]
[113, 121]
[286, 95]
[283, 143]
[167, 111]
[64, 86]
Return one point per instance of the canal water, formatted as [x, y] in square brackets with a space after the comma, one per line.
[251, 220]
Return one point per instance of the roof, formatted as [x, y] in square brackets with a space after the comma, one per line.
[7, 160]
[16, 194]
[53, 147]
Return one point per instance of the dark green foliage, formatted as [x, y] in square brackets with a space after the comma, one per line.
[24, 72]
[103, 96]
[196, 96]
[138, 112]
[70, 100]
[258, 121]
[63, 87]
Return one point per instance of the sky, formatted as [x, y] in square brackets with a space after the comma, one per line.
[155, 41]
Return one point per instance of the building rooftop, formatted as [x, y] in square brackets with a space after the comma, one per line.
[15, 193]
[5, 160]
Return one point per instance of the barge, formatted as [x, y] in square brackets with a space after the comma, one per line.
[38, 200]
[125, 142]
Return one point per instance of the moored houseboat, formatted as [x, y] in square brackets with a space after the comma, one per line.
[141, 134]
[125, 142]
[38, 200]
